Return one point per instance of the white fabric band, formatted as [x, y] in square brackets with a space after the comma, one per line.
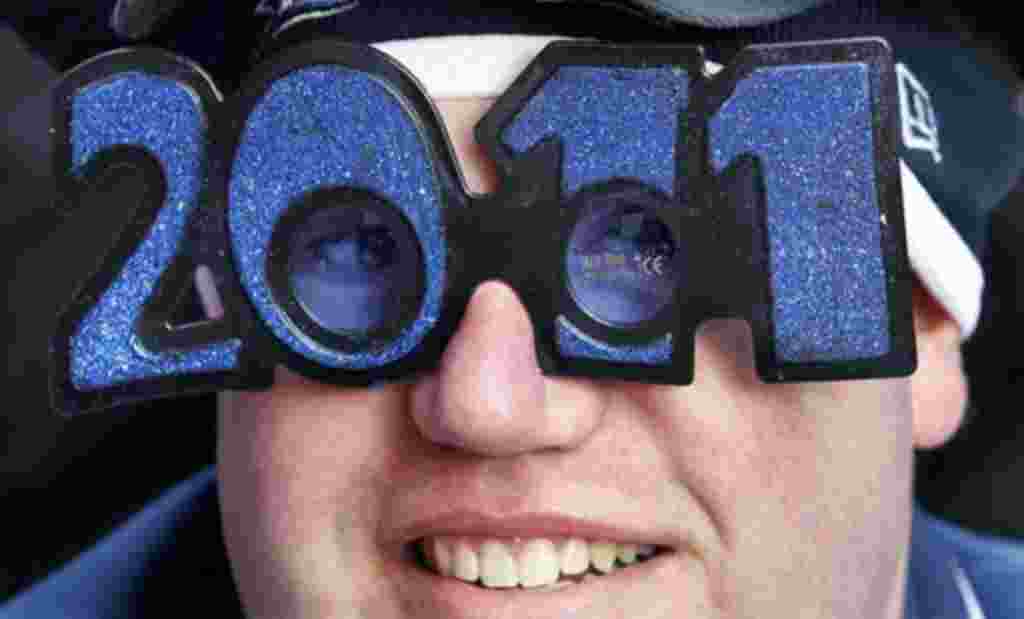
[485, 66]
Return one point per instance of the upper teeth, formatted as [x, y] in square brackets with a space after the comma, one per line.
[525, 562]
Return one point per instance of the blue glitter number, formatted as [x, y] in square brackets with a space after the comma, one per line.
[331, 126]
[811, 128]
[613, 123]
[164, 117]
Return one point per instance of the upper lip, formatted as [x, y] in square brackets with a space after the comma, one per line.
[529, 525]
[516, 498]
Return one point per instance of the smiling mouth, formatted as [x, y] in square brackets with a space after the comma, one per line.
[538, 564]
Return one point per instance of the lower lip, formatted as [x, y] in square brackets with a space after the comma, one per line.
[457, 599]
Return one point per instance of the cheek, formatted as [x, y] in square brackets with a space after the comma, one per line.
[283, 457]
[298, 493]
[823, 492]
[823, 455]
[805, 483]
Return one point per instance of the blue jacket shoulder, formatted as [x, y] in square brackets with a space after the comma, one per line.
[957, 573]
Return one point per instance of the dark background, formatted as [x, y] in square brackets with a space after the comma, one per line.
[64, 484]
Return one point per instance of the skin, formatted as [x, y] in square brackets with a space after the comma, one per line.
[805, 488]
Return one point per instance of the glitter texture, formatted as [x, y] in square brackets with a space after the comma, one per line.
[613, 123]
[328, 126]
[571, 339]
[811, 128]
[166, 118]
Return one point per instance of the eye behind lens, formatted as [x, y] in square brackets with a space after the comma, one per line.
[350, 255]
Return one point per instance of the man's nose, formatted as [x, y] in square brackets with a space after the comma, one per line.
[489, 395]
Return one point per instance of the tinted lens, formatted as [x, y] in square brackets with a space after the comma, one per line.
[622, 262]
[348, 267]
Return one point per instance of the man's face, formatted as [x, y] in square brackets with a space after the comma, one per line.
[785, 500]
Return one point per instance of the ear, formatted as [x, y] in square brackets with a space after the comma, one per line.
[939, 386]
